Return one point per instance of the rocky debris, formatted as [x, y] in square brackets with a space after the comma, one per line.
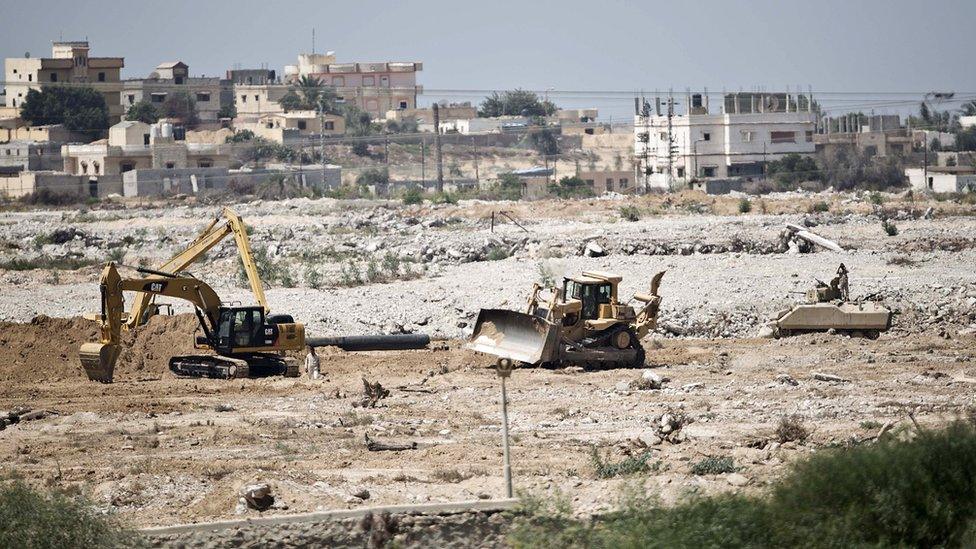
[737, 479]
[377, 446]
[829, 377]
[669, 424]
[257, 497]
[22, 414]
[787, 379]
[592, 249]
[648, 380]
[372, 394]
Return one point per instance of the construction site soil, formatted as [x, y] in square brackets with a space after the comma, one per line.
[160, 450]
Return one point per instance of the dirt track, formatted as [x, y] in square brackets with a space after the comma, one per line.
[157, 450]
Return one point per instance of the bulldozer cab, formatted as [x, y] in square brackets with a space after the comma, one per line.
[591, 296]
[242, 328]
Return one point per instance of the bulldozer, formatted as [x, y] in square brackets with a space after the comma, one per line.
[582, 323]
[829, 307]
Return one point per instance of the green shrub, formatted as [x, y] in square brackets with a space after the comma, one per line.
[791, 428]
[32, 519]
[744, 205]
[313, 278]
[876, 198]
[714, 465]
[630, 213]
[47, 262]
[627, 466]
[497, 253]
[412, 196]
[819, 206]
[917, 493]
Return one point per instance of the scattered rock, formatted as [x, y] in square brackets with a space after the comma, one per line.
[257, 496]
[648, 380]
[787, 379]
[593, 249]
[737, 479]
[829, 377]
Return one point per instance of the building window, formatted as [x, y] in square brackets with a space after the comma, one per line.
[54, 77]
[782, 137]
[205, 163]
[145, 139]
[624, 182]
[15, 71]
[101, 77]
[809, 136]
[158, 97]
[340, 99]
[132, 98]
[708, 171]
[403, 105]
[95, 168]
[706, 136]
[84, 167]
[178, 79]
[746, 136]
[203, 97]
[256, 98]
[369, 80]
[170, 165]
[681, 171]
[243, 99]
[30, 77]
[127, 167]
[329, 125]
[302, 124]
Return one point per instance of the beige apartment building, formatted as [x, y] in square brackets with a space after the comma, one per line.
[69, 64]
[372, 87]
[282, 127]
[133, 145]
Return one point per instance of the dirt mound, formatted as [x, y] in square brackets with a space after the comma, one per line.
[46, 349]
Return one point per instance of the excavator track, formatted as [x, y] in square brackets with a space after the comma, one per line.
[209, 366]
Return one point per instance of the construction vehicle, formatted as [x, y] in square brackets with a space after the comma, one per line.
[582, 323]
[244, 340]
[829, 307]
[145, 306]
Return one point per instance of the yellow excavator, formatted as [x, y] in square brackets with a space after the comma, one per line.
[246, 340]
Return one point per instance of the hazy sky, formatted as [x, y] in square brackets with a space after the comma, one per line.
[834, 46]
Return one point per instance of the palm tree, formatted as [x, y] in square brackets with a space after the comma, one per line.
[969, 109]
[311, 94]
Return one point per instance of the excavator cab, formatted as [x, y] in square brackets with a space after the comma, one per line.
[591, 293]
[244, 329]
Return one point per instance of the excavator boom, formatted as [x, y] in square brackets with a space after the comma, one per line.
[212, 235]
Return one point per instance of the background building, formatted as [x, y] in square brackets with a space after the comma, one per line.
[173, 77]
[748, 130]
[69, 64]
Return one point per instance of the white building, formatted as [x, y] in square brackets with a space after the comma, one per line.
[735, 140]
[942, 179]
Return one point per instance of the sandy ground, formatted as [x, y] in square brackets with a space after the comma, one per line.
[160, 450]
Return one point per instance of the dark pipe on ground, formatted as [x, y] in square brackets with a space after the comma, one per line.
[392, 342]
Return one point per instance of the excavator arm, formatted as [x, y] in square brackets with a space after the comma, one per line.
[99, 358]
[212, 235]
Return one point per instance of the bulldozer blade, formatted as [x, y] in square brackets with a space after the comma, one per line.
[99, 359]
[513, 335]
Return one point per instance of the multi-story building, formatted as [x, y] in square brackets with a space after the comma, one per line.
[69, 64]
[750, 130]
[372, 87]
[283, 127]
[31, 156]
[251, 76]
[880, 135]
[133, 145]
[209, 94]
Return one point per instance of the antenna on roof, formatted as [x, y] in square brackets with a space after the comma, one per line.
[313, 39]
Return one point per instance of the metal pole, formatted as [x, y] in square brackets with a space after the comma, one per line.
[508, 463]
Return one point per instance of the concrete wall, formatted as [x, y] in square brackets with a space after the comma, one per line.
[604, 181]
[26, 183]
[158, 182]
[54, 133]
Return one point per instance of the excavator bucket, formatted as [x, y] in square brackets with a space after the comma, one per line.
[99, 359]
[517, 336]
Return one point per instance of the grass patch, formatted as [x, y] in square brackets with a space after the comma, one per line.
[714, 465]
[917, 493]
[497, 253]
[32, 519]
[627, 466]
[791, 428]
[48, 262]
[819, 206]
[744, 205]
[629, 213]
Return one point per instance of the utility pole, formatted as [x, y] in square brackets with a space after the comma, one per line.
[437, 149]
[504, 369]
[322, 141]
[671, 146]
[423, 161]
